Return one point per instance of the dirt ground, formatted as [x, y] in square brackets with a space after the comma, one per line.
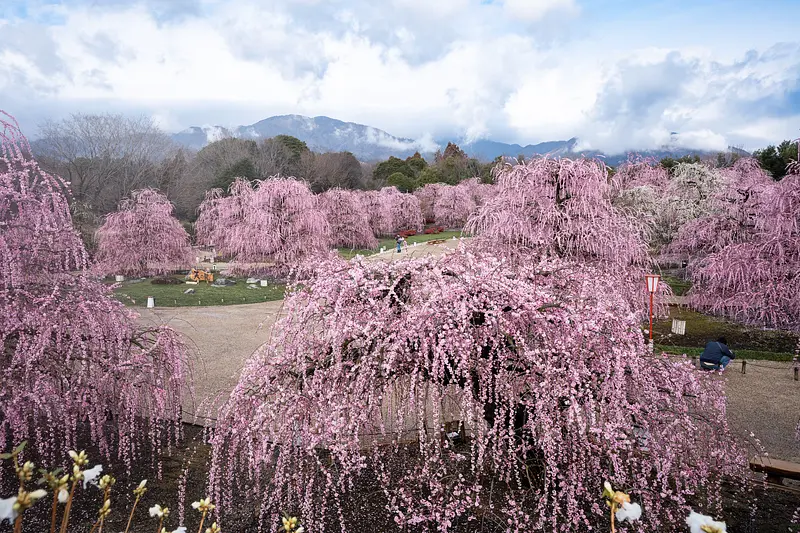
[223, 337]
[766, 401]
[419, 250]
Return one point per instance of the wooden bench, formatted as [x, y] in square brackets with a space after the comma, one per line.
[775, 469]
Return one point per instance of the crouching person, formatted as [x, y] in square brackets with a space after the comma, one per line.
[716, 355]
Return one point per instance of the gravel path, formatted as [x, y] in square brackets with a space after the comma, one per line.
[223, 338]
[765, 401]
[420, 250]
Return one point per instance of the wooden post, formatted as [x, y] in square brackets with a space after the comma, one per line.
[796, 358]
[744, 366]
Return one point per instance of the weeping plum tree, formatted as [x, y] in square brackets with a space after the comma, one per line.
[453, 206]
[481, 192]
[639, 172]
[691, 191]
[562, 208]
[639, 190]
[558, 208]
[142, 237]
[754, 279]
[348, 221]
[455, 202]
[209, 220]
[427, 198]
[729, 212]
[73, 364]
[345, 413]
[379, 212]
[218, 213]
[404, 209]
[271, 225]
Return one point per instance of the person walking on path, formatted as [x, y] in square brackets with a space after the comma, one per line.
[400, 243]
[716, 355]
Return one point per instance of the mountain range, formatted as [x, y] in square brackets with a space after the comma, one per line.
[324, 134]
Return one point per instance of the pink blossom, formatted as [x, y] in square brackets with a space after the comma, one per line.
[72, 357]
[270, 225]
[142, 238]
[542, 361]
[348, 221]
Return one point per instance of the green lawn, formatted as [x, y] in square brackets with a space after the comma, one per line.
[348, 253]
[746, 341]
[135, 293]
[678, 286]
[740, 354]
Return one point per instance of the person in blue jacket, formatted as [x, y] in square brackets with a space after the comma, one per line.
[716, 355]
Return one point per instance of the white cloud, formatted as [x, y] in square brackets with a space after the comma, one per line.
[535, 10]
[438, 9]
[768, 128]
[423, 144]
[413, 68]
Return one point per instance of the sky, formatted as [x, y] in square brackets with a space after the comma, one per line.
[618, 74]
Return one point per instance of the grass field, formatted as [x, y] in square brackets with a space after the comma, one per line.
[679, 286]
[135, 293]
[740, 354]
[746, 341]
[348, 253]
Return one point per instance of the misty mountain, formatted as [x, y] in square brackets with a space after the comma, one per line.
[321, 134]
[324, 134]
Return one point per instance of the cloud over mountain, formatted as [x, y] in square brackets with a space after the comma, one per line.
[617, 75]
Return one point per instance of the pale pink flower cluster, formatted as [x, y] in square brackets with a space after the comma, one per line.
[142, 238]
[542, 362]
[450, 206]
[265, 226]
[347, 218]
[752, 273]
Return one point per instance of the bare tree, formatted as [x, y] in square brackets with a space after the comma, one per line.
[273, 157]
[175, 179]
[220, 155]
[104, 157]
[330, 170]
